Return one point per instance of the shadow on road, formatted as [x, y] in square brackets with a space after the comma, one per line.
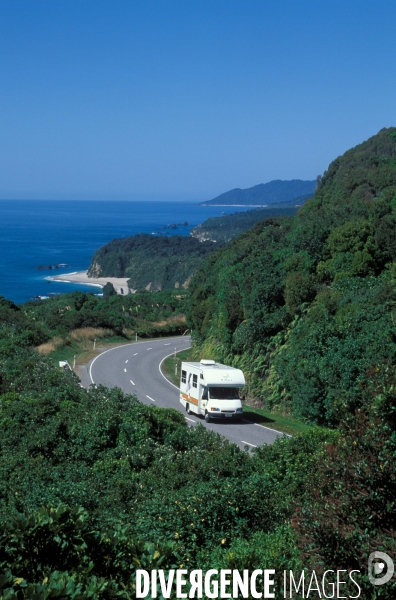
[256, 418]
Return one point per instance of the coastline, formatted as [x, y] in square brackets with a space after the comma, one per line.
[82, 277]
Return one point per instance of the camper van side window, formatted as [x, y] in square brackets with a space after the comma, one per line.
[195, 381]
[184, 376]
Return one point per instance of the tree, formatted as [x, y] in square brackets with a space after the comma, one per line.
[109, 290]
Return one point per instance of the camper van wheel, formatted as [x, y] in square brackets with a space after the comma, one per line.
[188, 411]
[207, 418]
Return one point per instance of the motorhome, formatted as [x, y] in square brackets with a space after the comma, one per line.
[210, 389]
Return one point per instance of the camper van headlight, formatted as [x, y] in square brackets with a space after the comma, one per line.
[239, 410]
[215, 409]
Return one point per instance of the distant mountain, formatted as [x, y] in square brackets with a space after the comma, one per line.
[273, 192]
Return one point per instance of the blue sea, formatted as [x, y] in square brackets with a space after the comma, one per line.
[48, 232]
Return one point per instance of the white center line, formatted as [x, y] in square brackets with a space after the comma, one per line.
[152, 399]
[148, 348]
[131, 382]
[273, 430]
[192, 420]
[169, 345]
[125, 371]
[247, 443]
[135, 353]
[126, 361]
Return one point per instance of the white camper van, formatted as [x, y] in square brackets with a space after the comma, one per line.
[210, 389]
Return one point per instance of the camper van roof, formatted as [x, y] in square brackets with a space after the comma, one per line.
[217, 374]
[206, 361]
[209, 365]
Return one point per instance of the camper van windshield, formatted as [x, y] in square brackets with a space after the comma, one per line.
[223, 393]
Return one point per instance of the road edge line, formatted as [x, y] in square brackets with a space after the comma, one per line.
[159, 367]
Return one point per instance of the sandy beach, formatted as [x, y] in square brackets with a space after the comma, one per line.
[82, 277]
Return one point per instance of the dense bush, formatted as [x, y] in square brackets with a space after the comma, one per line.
[93, 484]
[350, 508]
[160, 313]
[55, 553]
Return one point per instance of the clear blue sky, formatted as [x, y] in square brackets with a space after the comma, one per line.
[183, 100]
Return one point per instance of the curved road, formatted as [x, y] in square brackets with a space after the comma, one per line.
[135, 368]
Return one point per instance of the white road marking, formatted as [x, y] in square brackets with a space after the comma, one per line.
[160, 370]
[192, 420]
[126, 361]
[247, 443]
[167, 344]
[136, 353]
[264, 427]
[131, 382]
[148, 348]
[125, 371]
[152, 399]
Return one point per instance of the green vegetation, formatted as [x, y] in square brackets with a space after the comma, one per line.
[223, 229]
[144, 313]
[94, 484]
[66, 326]
[109, 290]
[151, 262]
[276, 192]
[304, 305]
[80, 344]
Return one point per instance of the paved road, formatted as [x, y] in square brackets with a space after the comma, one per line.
[135, 368]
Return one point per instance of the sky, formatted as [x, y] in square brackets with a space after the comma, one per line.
[184, 100]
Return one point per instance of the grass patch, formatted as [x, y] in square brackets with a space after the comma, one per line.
[275, 421]
[83, 349]
[80, 343]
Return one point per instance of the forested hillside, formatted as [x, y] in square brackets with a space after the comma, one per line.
[151, 262]
[306, 305]
[227, 227]
[275, 192]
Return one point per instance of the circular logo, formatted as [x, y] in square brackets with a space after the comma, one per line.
[380, 568]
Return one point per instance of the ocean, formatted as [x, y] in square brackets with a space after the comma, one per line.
[48, 232]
